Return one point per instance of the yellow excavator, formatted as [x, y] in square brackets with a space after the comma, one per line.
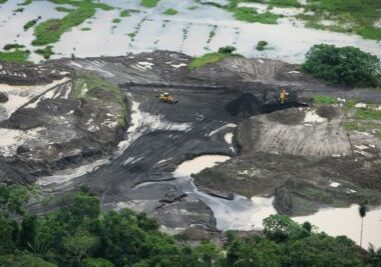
[283, 96]
[167, 98]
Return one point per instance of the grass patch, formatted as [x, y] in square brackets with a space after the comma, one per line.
[30, 24]
[117, 20]
[149, 3]
[170, 12]
[64, 9]
[210, 58]
[124, 13]
[46, 52]
[284, 3]
[368, 114]
[324, 100]
[369, 32]
[51, 30]
[19, 10]
[13, 46]
[86, 82]
[20, 56]
[86, 29]
[353, 16]
[250, 15]
[25, 3]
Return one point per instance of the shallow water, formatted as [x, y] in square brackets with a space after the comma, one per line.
[192, 31]
[247, 214]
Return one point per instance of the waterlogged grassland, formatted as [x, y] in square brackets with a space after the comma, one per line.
[50, 31]
[352, 16]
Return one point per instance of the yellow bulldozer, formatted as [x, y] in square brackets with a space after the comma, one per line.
[167, 98]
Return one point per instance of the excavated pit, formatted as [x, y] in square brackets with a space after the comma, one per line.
[221, 110]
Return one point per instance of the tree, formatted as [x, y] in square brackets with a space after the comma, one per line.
[79, 245]
[362, 212]
[28, 231]
[374, 256]
[347, 65]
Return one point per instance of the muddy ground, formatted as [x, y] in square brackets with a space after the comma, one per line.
[290, 150]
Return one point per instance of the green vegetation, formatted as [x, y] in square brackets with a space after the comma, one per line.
[210, 58]
[355, 16]
[13, 46]
[117, 20]
[19, 10]
[25, 3]
[85, 29]
[250, 15]
[46, 52]
[284, 3]
[20, 56]
[64, 9]
[125, 13]
[85, 82]
[30, 24]
[368, 114]
[3, 1]
[149, 3]
[170, 11]
[348, 65]
[261, 45]
[51, 30]
[324, 100]
[78, 234]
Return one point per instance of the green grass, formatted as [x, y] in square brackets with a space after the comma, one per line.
[284, 3]
[64, 9]
[46, 52]
[250, 15]
[13, 46]
[149, 3]
[124, 13]
[170, 11]
[19, 10]
[85, 29]
[51, 30]
[86, 82]
[206, 59]
[20, 56]
[3, 1]
[368, 114]
[117, 20]
[25, 3]
[353, 16]
[30, 24]
[324, 100]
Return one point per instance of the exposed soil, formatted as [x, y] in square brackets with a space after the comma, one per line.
[284, 150]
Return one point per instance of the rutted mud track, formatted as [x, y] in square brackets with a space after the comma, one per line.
[211, 102]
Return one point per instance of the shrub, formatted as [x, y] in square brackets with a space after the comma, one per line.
[261, 45]
[227, 49]
[347, 65]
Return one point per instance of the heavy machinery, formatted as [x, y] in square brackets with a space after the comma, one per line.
[283, 96]
[167, 98]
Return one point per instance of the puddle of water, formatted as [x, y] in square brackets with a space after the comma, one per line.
[247, 214]
[347, 221]
[241, 213]
[197, 164]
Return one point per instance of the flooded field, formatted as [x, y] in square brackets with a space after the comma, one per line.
[195, 29]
